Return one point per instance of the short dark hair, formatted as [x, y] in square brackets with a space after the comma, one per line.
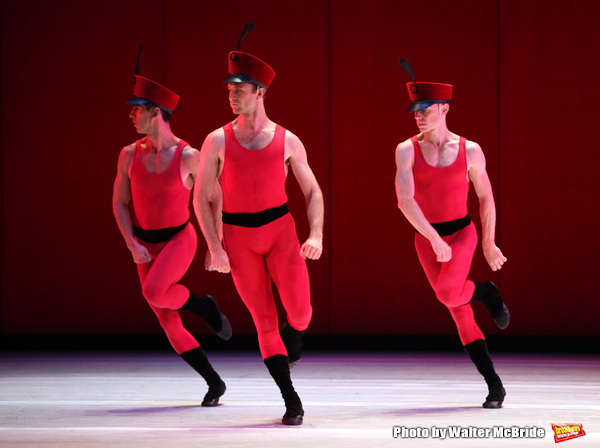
[255, 88]
[166, 116]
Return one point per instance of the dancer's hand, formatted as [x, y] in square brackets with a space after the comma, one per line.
[443, 251]
[494, 256]
[312, 248]
[140, 253]
[218, 261]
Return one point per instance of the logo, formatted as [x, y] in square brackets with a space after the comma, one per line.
[566, 432]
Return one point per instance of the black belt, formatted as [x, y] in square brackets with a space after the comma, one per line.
[158, 235]
[256, 219]
[450, 227]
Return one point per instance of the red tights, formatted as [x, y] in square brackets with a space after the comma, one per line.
[449, 280]
[259, 254]
[159, 277]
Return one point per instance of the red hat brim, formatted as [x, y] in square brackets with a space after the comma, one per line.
[416, 106]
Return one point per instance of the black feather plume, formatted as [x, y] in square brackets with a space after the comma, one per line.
[406, 65]
[137, 64]
[249, 27]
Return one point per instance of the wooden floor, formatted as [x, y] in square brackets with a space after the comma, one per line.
[351, 400]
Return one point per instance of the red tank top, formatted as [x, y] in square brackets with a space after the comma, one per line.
[253, 180]
[441, 192]
[160, 200]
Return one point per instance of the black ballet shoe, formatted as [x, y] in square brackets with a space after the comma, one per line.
[497, 308]
[292, 339]
[496, 395]
[279, 369]
[488, 294]
[478, 352]
[222, 329]
[211, 398]
[294, 414]
[206, 308]
[198, 361]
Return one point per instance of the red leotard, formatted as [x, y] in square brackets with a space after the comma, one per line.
[441, 193]
[252, 181]
[161, 200]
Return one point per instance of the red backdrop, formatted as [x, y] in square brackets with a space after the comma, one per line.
[524, 76]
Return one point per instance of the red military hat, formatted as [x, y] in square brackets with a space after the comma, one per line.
[424, 94]
[244, 67]
[147, 91]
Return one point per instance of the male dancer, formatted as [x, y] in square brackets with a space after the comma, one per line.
[432, 183]
[251, 156]
[158, 172]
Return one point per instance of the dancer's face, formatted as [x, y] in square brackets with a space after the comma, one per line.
[243, 97]
[142, 118]
[430, 118]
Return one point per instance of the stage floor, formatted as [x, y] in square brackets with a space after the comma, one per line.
[350, 399]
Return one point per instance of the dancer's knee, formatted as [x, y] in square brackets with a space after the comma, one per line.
[155, 294]
[300, 317]
[449, 296]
